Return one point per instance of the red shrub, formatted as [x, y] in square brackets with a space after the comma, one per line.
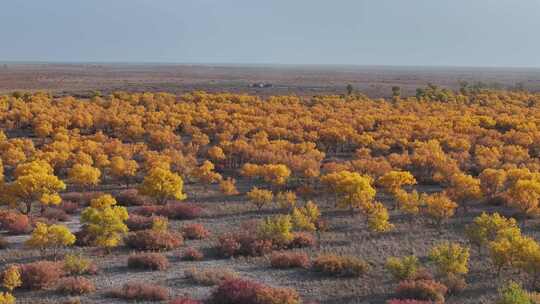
[234, 244]
[39, 275]
[302, 240]
[192, 254]
[195, 232]
[141, 292]
[228, 245]
[148, 210]
[55, 215]
[185, 301]
[81, 198]
[289, 260]
[235, 291]
[398, 301]
[69, 207]
[3, 243]
[76, 286]
[130, 197]
[181, 211]
[15, 222]
[138, 222]
[238, 291]
[334, 265]
[426, 290]
[154, 240]
[271, 295]
[152, 261]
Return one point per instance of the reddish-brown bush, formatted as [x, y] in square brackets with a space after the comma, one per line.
[139, 222]
[239, 291]
[141, 292]
[185, 301]
[76, 286]
[407, 301]
[181, 211]
[73, 300]
[302, 240]
[239, 243]
[192, 254]
[81, 198]
[210, 276]
[195, 232]
[130, 197]
[55, 215]
[148, 210]
[454, 283]
[152, 261]
[423, 274]
[154, 240]
[39, 275]
[228, 245]
[425, 290]
[15, 222]
[289, 260]
[271, 295]
[69, 207]
[3, 243]
[334, 265]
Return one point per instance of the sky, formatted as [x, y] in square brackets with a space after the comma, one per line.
[485, 33]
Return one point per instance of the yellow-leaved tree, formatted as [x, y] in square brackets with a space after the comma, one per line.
[11, 278]
[439, 207]
[52, 237]
[260, 197]
[162, 184]
[305, 218]
[463, 189]
[450, 259]
[104, 221]
[205, 173]
[525, 197]
[353, 189]
[84, 175]
[121, 168]
[393, 181]
[35, 182]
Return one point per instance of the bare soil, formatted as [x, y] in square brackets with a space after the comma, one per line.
[84, 79]
[346, 235]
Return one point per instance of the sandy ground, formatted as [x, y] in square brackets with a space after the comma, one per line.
[347, 235]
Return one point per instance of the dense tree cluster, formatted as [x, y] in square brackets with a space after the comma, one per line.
[472, 146]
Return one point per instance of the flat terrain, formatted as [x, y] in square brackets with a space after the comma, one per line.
[82, 79]
[347, 235]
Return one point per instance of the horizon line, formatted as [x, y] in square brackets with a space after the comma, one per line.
[263, 64]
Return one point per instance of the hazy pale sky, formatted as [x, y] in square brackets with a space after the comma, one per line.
[363, 32]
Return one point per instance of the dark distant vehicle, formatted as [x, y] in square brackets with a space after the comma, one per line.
[261, 85]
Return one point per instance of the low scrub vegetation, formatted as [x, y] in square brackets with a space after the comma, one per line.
[41, 274]
[289, 260]
[76, 286]
[340, 266]
[148, 261]
[135, 291]
[210, 276]
[154, 240]
[240, 291]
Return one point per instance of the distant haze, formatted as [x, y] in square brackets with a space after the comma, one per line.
[489, 33]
